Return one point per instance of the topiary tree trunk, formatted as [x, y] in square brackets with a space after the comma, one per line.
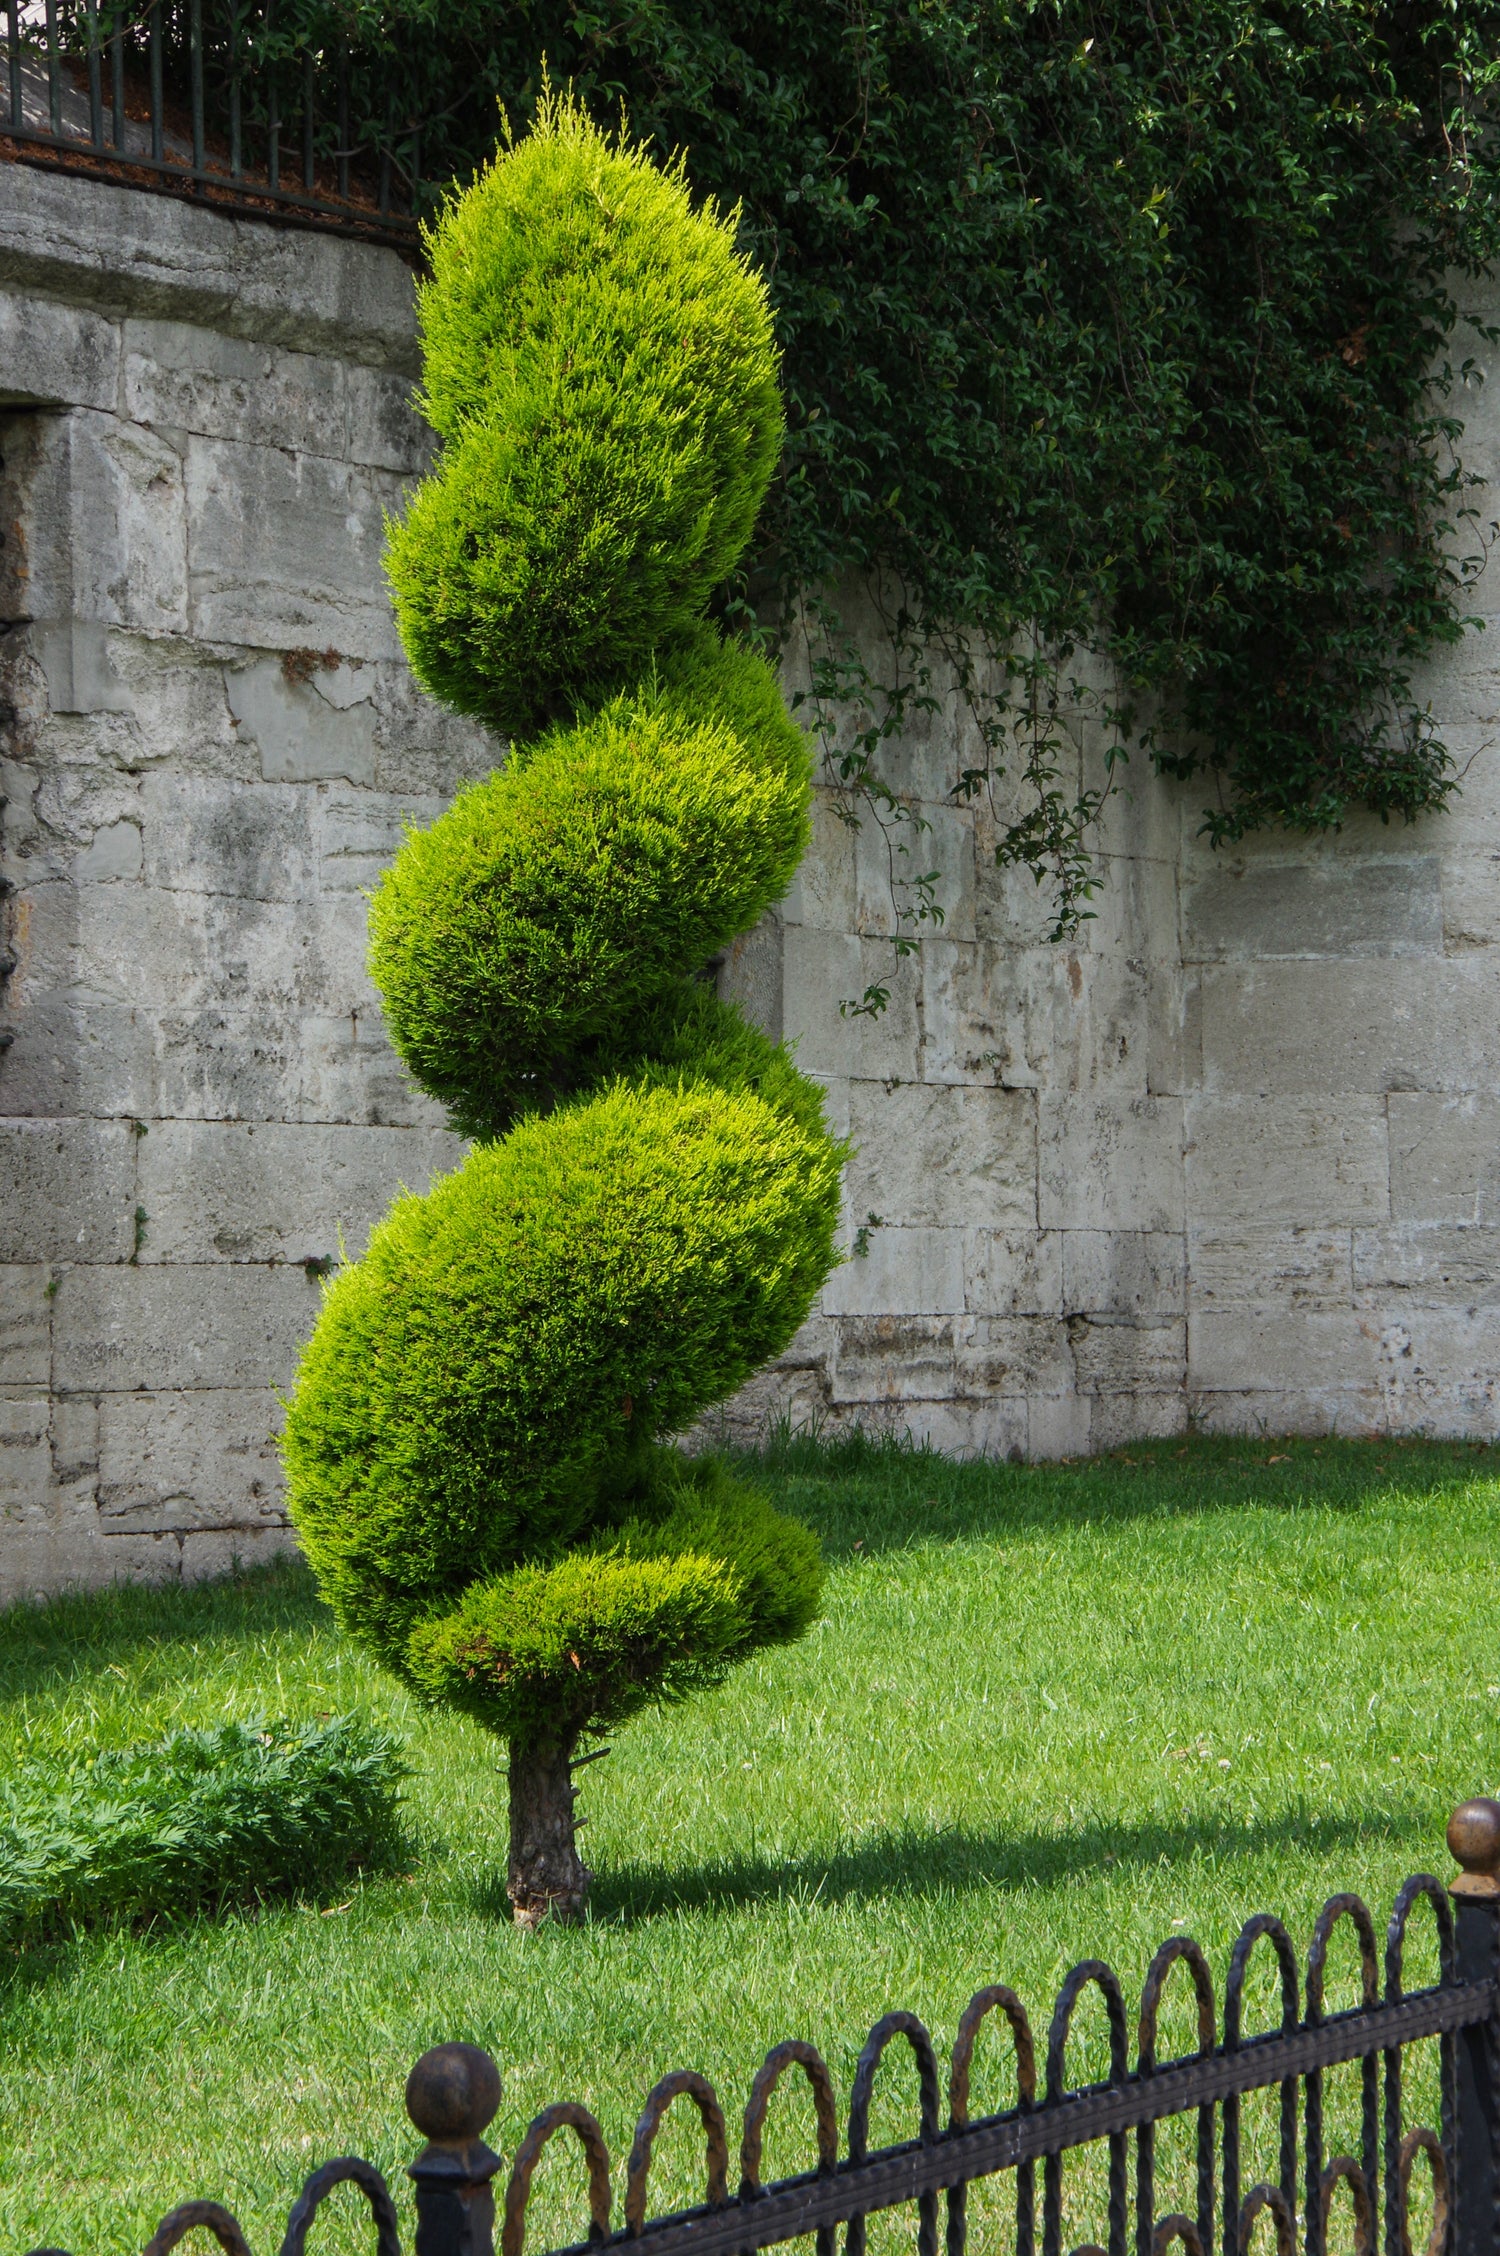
[478, 1446]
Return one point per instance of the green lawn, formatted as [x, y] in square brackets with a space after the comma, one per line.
[1049, 1711]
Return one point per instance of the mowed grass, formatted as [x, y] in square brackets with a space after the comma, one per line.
[1049, 1712]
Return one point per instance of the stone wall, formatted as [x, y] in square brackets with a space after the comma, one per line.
[210, 749]
[1230, 1158]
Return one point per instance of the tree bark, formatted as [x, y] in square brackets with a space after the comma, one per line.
[548, 1879]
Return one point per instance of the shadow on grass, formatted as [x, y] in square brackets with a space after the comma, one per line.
[955, 1862]
[81, 1632]
[882, 1494]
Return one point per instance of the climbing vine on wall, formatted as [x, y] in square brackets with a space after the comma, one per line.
[1108, 327]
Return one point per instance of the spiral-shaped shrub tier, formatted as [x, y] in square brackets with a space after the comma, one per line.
[478, 1445]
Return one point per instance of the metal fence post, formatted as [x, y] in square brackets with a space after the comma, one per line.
[451, 2096]
[1474, 1838]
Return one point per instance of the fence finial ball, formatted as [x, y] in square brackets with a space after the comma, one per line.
[1474, 1838]
[454, 2091]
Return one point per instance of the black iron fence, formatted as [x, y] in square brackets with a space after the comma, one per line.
[454, 2091]
[244, 104]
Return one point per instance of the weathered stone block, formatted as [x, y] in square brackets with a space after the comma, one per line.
[1445, 1158]
[216, 1325]
[1015, 1272]
[752, 975]
[1137, 1273]
[1471, 899]
[67, 1190]
[285, 550]
[181, 1461]
[942, 1155]
[359, 834]
[1270, 1160]
[1437, 1262]
[822, 892]
[181, 376]
[902, 1273]
[125, 251]
[25, 1460]
[381, 422]
[1288, 1268]
[1243, 1348]
[112, 854]
[1057, 1425]
[824, 970]
[80, 1058]
[976, 1026]
[1014, 1355]
[1119, 1355]
[1174, 1032]
[308, 730]
[25, 1326]
[56, 355]
[107, 539]
[1291, 1029]
[1110, 1164]
[208, 834]
[893, 1359]
[1251, 908]
[276, 1063]
[279, 1191]
[1118, 1420]
[995, 1427]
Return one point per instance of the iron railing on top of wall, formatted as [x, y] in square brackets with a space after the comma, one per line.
[454, 2091]
[213, 100]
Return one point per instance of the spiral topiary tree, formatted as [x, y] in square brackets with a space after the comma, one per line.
[478, 1446]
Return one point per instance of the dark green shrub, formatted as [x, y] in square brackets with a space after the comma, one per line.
[201, 1820]
[475, 1447]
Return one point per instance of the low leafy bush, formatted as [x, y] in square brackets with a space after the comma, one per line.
[197, 1821]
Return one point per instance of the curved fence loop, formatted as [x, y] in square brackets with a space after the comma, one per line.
[348, 2169]
[1424, 2141]
[983, 2003]
[1105, 1979]
[1176, 2227]
[793, 2053]
[888, 2026]
[1177, 1950]
[1341, 1907]
[179, 2222]
[1265, 1925]
[976, 2012]
[697, 2088]
[1258, 2201]
[1086, 1971]
[1344, 2170]
[566, 2114]
[1420, 1886]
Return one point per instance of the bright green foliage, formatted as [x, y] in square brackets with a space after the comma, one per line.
[599, 365]
[475, 1447]
[606, 860]
[483, 1387]
[659, 1608]
[204, 1818]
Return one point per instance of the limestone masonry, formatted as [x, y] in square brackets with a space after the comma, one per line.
[1232, 1158]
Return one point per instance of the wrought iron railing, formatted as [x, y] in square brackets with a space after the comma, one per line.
[215, 100]
[454, 2091]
